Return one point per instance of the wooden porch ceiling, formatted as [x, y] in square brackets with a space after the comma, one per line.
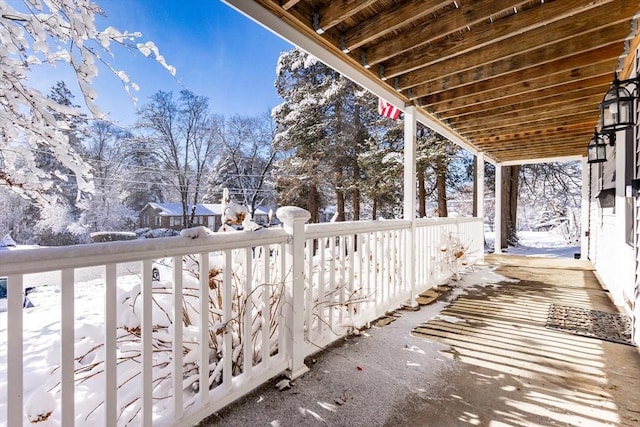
[517, 80]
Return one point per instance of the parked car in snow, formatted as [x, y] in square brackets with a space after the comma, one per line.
[26, 302]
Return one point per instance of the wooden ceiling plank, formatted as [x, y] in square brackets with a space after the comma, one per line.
[475, 126]
[591, 117]
[288, 4]
[576, 147]
[580, 143]
[583, 44]
[628, 63]
[468, 14]
[490, 44]
[337, 11]
[548, 96]
[390, 20]
[536, 133]
[584, 65]
[544, 87]
[524, 115]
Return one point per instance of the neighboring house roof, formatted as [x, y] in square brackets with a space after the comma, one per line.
[175, 209]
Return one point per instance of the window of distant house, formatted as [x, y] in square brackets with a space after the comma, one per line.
[157, 220]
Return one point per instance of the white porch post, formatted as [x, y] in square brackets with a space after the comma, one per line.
[409, 210]
[293, 220]
[585, 211]
[497, 223]
[480, 185]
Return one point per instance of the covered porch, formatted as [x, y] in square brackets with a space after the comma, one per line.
[482, 354]
[513, 82]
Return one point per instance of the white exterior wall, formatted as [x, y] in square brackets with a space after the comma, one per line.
[616, 261]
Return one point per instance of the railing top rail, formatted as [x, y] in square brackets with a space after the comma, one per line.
[329, 229]
[87, 255]
[446, 220]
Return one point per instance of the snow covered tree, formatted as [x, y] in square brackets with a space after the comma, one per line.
[106, 209]
[438, 169]
[323, 123]
[144, 183]
[245, 165]
[186, 135]
[37, 33]
[300, 130]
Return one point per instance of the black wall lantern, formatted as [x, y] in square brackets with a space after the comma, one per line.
[616, 109]
[597, 148]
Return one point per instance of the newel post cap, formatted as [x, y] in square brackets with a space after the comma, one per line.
[292, 213]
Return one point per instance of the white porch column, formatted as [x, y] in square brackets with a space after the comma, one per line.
[497, 222]
[480, 184]
[409, 208]
[585, 211]
[293, 220]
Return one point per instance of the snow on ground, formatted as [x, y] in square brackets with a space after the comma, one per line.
[42, 341]
[552, 243]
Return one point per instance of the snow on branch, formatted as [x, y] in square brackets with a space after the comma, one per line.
[48, 32]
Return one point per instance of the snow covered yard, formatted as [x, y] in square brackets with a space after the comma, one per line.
[42, 348]
[551, 243]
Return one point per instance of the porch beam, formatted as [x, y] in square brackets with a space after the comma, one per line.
[497, 222]
[542, 160]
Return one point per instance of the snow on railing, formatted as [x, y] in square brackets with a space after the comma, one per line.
[117, 329]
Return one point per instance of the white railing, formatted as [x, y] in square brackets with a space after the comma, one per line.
[125, 349]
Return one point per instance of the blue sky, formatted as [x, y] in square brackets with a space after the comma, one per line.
[218, 53]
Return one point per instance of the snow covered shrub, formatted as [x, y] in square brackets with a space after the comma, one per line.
[261, 299]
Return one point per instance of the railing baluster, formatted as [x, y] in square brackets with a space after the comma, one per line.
[176, 351]
[227, 315]
[247, 332]
[15, 384]
[322, 304]
[268, 289]
[331, 294]
[282, 278]
[204, 328]
[308, 310]
[351, 248]
[67, 347]
[110, 344]
[147, 344]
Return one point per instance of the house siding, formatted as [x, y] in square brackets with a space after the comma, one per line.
[615, 256]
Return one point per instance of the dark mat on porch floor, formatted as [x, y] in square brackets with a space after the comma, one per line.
[590, 323]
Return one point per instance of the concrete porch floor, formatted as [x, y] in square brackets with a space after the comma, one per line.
[479, 356]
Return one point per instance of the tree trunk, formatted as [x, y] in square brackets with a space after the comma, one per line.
[509, 205]
[356, 191]
[374, 209]
[422, 194]
[441, 187]
[339, 197]
[314, 204]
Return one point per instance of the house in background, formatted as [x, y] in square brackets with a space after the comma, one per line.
[169, 215]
